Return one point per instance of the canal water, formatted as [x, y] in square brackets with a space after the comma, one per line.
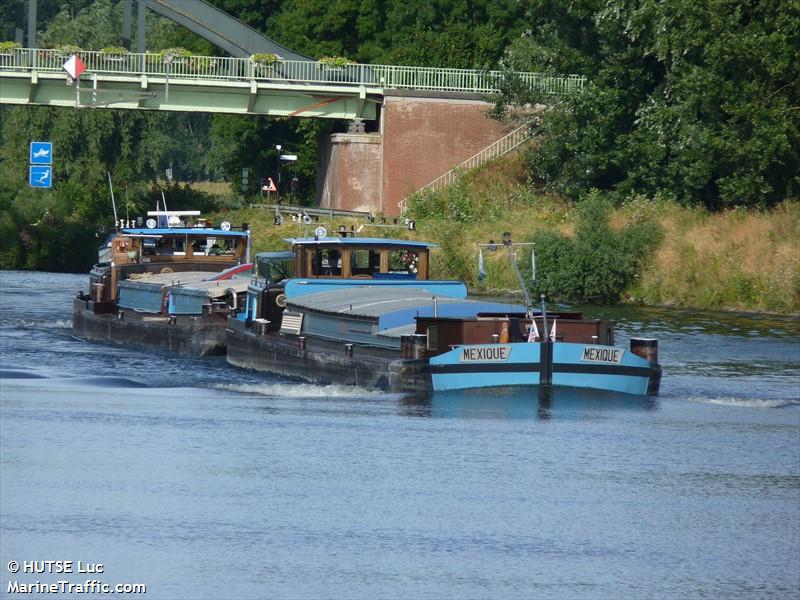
[203, 481]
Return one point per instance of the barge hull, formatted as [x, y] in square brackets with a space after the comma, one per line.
[560, 364]
[324, 362]
[186, 336]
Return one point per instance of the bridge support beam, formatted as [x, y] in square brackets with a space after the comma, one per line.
[349, 172]
[143, 91]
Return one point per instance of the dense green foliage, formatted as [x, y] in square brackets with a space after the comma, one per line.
[438, 33]
[696, 101]
[596, 265]
[693, 100]
[53, 229]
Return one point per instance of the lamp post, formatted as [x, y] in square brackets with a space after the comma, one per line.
[278, 193]
[287, 158]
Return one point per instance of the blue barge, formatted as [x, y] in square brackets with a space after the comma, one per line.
[362, 311]
[167, 286]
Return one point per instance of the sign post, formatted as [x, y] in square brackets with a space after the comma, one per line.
[41, 153]
[286, 157]
[268, 187]
[40, 172]
[41, 177]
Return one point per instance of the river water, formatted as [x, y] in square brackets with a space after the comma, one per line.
[203, 481]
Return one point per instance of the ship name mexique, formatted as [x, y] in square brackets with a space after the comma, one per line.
[488, 353]
[599, 354]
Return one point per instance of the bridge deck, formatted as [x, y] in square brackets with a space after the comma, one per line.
[31, 76]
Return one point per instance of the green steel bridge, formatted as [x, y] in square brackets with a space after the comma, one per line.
[145, 81]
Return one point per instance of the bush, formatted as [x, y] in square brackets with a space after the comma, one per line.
[9, 46]
[265, 59]
[599, 264]
[67, 50]
[173, 53]
[114, 51]
[335, 62]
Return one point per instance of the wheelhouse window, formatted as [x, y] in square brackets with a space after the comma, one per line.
[198, 246]
[364, 261]
[149, 246]
[213, 246]
[169, 246]
[403, 263]
[275, 269]
[326, 262]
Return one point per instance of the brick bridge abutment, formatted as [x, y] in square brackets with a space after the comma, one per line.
[421, 136]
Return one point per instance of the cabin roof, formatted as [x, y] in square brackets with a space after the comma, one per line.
[363, 241]
[199, 231]
[213, 289]
[147, 280]
[395, 307]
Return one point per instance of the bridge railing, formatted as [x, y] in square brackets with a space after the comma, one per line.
[285, 71]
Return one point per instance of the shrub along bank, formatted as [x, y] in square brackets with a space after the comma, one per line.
[645, 251]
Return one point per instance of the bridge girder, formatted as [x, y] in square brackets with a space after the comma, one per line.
[219, 28]
[148, 92]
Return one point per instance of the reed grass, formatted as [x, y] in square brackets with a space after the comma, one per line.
[736, 260]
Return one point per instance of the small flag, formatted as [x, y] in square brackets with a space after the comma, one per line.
[533, 335]
[553, 332]
[481, 269]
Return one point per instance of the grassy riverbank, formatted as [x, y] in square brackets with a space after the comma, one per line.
[735, 260]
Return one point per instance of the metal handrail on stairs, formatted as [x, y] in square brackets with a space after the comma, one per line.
[504, 145]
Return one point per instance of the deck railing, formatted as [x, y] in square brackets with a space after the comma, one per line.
[504, 145]
[286, 71]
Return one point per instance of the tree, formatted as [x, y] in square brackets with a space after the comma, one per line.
[695, 100]
[439, 33]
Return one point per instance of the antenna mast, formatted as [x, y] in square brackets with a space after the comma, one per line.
[512, 247]
[113, 203]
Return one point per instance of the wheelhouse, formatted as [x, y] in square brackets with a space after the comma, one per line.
[360, 258]
[163, 250]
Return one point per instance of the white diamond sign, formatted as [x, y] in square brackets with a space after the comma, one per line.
[74, 66]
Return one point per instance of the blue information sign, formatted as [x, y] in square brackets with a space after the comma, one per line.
[41, 177]
[41, 153]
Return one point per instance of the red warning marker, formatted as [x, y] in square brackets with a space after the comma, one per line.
[270, 186]
[74, 66]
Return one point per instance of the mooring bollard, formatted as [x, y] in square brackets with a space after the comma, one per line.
[261, 326]
[301, 342]
[97, 292]
[647, 348]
